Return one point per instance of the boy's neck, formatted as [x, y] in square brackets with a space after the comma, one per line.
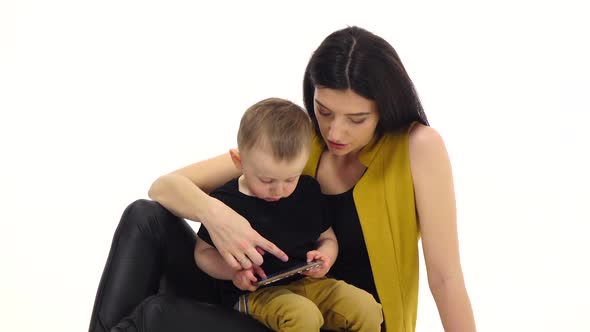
[243, 186]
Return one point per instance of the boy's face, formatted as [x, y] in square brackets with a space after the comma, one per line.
[269, 179]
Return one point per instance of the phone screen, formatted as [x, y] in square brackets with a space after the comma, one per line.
[288, 272]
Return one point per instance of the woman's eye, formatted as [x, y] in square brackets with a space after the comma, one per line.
[323, 112]
[359, 121]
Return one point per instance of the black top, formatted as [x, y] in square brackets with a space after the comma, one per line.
[353, 264]
[292, 223]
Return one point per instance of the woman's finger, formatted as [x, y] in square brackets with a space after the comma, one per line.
[243, 260]
[260, 250]
[232, 261]
[271, 248]
[254, 256]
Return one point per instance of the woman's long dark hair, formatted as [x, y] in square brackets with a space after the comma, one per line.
[356, 59]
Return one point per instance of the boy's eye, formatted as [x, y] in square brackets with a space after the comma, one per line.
[266, 180]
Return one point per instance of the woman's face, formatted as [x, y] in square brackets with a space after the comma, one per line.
[347, 120]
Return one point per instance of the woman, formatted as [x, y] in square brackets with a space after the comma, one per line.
[387, 179]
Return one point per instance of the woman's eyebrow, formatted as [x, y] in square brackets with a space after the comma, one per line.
[348, 114]
[322, 105]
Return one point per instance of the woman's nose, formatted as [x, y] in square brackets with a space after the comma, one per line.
[335, 131]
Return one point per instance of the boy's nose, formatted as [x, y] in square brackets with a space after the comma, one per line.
[277, 191]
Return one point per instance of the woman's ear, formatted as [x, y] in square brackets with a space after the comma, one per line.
[235, 157]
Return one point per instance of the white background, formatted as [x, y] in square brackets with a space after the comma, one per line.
[98, 98]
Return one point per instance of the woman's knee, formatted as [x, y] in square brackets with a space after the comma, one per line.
[145, 215]
[142, 211]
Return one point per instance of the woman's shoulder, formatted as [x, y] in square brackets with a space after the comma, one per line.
[424, 141]
[429, 160]
[420, 146]
[418, 138]
[421, 136]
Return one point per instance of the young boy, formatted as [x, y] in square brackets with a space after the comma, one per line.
[274, 142]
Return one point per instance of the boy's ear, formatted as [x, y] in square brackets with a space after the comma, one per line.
[235, 157]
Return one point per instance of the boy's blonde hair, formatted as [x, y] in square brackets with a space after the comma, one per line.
[281, 125]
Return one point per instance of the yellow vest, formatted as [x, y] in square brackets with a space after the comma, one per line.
[384, 199]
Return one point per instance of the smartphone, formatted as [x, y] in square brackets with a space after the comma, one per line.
[288, 272]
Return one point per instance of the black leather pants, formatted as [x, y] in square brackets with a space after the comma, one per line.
[151, 282]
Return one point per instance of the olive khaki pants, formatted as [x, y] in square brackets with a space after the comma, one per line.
[309, 304]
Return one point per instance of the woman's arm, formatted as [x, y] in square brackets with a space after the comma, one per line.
[435, 204]
[184, 193]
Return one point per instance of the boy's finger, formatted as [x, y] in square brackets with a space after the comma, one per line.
[259, 271]
[249, 275]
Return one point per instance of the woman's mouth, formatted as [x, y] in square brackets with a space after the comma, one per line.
[335, 145]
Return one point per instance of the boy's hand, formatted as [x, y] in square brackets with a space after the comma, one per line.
[243, 279]
[321, 270]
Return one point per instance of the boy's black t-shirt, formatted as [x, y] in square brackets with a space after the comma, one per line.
[292, 223]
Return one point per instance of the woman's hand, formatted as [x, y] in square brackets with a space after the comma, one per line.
[184, 192]
[321, 270]
[239, 244]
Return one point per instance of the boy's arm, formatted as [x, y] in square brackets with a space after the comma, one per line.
[327, 251]
[328, 245]
[211, 262]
